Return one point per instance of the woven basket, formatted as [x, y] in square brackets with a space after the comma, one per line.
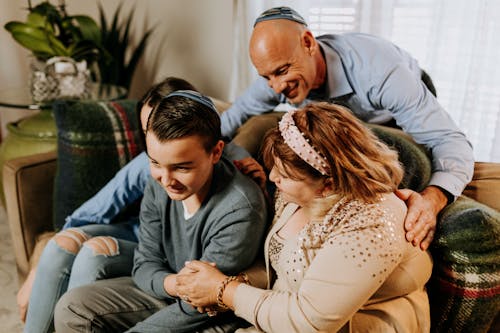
[59, 77]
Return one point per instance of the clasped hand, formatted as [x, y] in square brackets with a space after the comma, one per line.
[198, 281]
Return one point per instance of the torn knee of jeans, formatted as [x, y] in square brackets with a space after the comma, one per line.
[103, 245]
[71, 239]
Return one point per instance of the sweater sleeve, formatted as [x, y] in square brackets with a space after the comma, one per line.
[150, 266]
[348, 268]
[236, 238]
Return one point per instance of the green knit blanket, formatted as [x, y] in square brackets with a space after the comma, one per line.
[464, 289]
[95, 140]
[465, 286]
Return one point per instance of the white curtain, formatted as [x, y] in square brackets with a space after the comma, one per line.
[456, 41]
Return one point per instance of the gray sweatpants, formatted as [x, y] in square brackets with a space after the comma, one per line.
[118, 305]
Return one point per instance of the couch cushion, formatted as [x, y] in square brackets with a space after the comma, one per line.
[95, 140]
[485, 184]
[416, 163]
[465, 286]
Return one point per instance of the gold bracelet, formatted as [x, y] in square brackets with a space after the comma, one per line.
[222, 287]
[220, 291]
[245, 278]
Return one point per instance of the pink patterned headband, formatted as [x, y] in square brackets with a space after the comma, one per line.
[296, 140]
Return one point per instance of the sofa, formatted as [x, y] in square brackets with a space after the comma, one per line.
[464, 289]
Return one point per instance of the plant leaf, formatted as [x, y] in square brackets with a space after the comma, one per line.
[49, 11]
[103, 21]
[115, 39]
[134, 59]
[83, 49]
[39, 21]
[114, 24]
[88, 28]
[57, 46]
[32, 38]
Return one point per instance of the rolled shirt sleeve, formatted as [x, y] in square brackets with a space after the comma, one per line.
[257, 99]
[419, 114]
[379, 81]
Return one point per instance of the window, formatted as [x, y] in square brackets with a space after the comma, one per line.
[456, 41]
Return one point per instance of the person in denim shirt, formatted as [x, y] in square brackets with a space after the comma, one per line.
[86, 249]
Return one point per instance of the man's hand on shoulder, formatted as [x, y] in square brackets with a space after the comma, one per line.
[251, 168]
[421, 218]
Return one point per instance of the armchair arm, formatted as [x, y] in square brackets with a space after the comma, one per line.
[485, 184]
[28, 184]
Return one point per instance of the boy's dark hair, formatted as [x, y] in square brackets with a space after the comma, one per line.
[156, 93]
[177, 117]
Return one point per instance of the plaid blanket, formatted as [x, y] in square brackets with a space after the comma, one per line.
[95, 140]
[464, 289]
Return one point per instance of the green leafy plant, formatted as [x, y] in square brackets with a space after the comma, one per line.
[120, 65]
[49, 31]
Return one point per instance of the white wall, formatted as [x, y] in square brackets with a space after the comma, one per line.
[192, 39]
[13, 60]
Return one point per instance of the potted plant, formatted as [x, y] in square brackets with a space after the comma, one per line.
[63, 46]
[120, 64]
[50, 32]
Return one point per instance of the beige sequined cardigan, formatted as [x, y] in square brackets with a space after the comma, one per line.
[354, 271]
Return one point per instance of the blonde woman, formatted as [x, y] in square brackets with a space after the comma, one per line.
[337, 246]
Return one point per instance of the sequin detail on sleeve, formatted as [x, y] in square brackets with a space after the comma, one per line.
[275, 248]
[362, 230]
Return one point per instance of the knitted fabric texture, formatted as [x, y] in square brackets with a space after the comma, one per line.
[464, 289]
[95, 140]
[416, 163]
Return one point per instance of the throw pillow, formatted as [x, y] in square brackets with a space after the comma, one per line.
[464, 289]
[95, 140]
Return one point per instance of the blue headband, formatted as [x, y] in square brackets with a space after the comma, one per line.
[195, 96]
[276, 13]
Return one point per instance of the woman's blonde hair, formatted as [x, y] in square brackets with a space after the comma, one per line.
[360, 165]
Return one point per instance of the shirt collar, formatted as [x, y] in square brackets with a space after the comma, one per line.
[336, 80]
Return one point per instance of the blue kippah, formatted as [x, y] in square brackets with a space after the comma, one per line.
[276, 13]
[195, 96]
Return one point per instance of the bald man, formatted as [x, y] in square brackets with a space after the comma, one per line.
[377, 80]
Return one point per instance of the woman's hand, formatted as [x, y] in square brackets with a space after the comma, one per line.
[199, 284]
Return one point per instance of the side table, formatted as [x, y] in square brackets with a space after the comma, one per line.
[38, 133]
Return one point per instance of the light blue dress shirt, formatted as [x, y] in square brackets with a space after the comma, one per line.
[378, 81]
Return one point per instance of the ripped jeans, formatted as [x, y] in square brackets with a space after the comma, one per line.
[60, 269]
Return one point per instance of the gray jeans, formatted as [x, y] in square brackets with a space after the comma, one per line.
[118, 305]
